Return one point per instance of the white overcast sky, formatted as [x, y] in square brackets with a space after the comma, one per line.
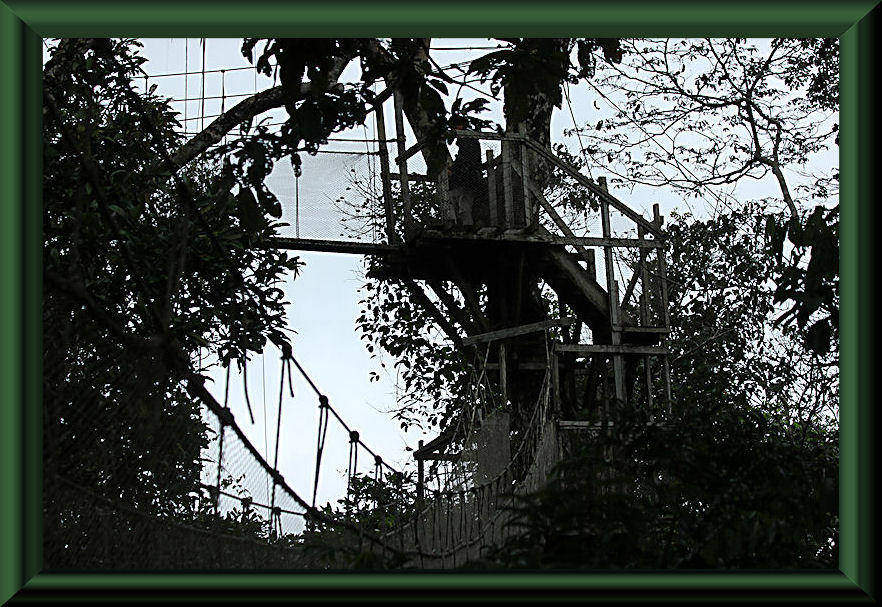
[324, 302]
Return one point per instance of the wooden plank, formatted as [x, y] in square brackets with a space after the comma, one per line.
[523, 366]
[487, 135]
[520, 330]
[615, 202]
[542, 236]
[610, 349]
[644, 329]
[385, 176]
[327, 246]
[402, 161]
[409, 152]
[443, 457]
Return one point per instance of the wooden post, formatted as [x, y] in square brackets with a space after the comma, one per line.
[508, 221]
[491, 189]
[555, 379]
[592, 264]
[647, 370]
[644, 316]
[612, 292]
[618, 361]
[663, 279]
[402, 163]
[421, 491]
[503, 373]
[391, 236]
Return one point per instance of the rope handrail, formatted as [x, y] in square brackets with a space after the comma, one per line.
[336, 415]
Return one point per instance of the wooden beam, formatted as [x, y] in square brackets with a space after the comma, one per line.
[458, 313]
[610, 349]
[412, 177]
[402, 162]
[515, 331]
[436, 314]
[487, 135]
[327, 246]
[523, 366]
[385, 176]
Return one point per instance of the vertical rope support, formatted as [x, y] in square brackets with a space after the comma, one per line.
[186, 79]
[320, 442]
[353, 459]
[202, 107]
[297, 203]
[220, 463]
[220, 451]
[285, 363]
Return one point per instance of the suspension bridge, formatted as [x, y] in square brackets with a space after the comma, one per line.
[494, 230]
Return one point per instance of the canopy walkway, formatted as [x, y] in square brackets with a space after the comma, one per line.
[432, 231]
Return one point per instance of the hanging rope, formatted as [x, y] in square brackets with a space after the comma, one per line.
[245, 389]
[220, 451]
[297, 203]
[202, 109]
[279, 417]
[353, 459]
[320, 442]
[378, 468]
[186, 76]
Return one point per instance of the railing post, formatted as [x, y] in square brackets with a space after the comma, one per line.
[663, 274]
[644, 315]
[398, 102]
[508, 220]
[491, 189]
[420, 478]
[503, 374]
[612, 293]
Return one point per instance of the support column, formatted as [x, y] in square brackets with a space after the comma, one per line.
[391, 236]
[613, 297]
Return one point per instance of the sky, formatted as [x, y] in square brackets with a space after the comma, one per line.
[324, 298]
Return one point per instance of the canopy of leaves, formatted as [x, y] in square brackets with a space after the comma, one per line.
[142, 279]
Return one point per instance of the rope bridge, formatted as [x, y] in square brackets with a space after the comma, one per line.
[224, 526]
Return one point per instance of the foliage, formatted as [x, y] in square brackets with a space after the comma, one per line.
[704, 115]
[712, 486]
[722, 309]
[142, 278]
[373, 504]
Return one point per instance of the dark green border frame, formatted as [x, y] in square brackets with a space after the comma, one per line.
[23, 24]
